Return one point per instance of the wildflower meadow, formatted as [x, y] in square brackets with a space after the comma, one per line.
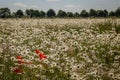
[60, 49]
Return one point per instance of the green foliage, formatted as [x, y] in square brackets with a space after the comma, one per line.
[61, 14]
[111, 13]
[100, 13]
[36, 13]
[76, 15]
[69, 14]
[19, 13]
[84, 13]
[42, 14]
[117, 12]
[51, 13]
[4, 12]
[105, 13]
[31, 13]
[92, 13]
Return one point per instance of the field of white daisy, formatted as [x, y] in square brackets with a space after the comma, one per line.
[73, 49]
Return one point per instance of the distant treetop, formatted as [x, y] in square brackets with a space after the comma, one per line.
[31, 13]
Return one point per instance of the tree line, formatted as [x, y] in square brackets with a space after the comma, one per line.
[31, 13]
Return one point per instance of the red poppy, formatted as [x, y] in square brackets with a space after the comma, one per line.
[37, 51]
[41, 55]
[20, 60]
[19, 57]
[17, 70]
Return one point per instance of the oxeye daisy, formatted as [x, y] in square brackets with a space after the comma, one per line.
[118, 76]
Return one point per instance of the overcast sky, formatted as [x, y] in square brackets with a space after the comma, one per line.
[67, 5]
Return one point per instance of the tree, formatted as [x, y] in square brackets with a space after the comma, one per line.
[76, 15]
[29, 12]
[69, 14]
[19, 13]
[13, 15]
[117, 12]
[36, 13]
[4, 12]
[100, 13]
[92, 13]
[105, 13]
[51, 13]
[61, 14]
[84, 13]
[111, 13]
[42, 14]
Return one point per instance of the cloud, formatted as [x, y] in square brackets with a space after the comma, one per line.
[52, 0]
[20, 4]
[71, 6]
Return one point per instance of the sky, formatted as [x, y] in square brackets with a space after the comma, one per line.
[66, 5]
